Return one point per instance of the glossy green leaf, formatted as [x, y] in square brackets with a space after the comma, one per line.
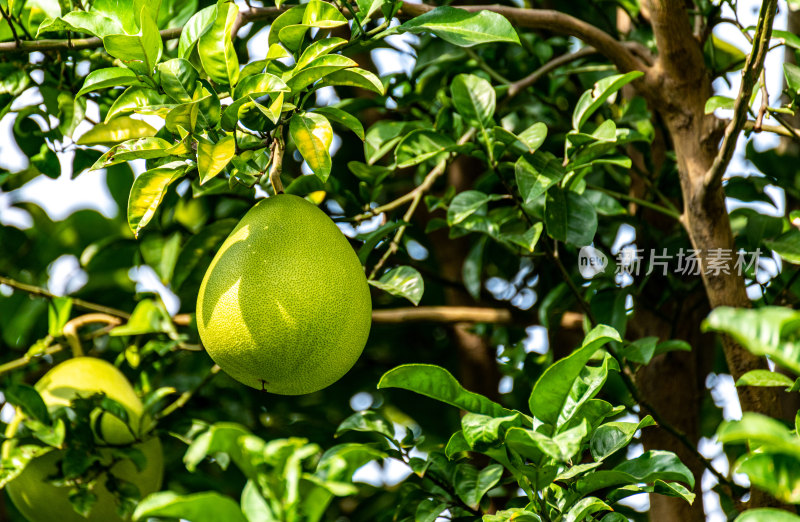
[292, 16]
[471, 485]
[402, 281]
[27, 399]
[117, 130]
[462, 28]
[354, 77]
[140, 52]
[613, 436]
[199, 23]
[91, 22]
[312, 135]
[258, 85]
[764, 378]
[58, 311]
[473, 267]
[437, 383]
[206, 240]
[139, 148]
[474, 98]
[552, 390]
[422, 145]
[756, 430]
[343, 118]
[718, 102]
[648, 467]
[641, 350]
[318, 69]
[323, 15]
[109, 77]
[528, 239]
[197, 507]
[147, 192]
[148, 317]
[762, 331]
[598, 94]
[142, 100]
[215, 45]
[318, 49]
[367, 421]
[212, 158]
[482, 431]
[533, 182]
[178, 78]
[584, 508]
[777, 473]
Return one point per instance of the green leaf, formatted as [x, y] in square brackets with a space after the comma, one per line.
[354, 77]
[147, 192]
[465, 204]
[317, 49]
[526, 240]
[581, 220]
[255, 506]
[140, 52]
[641, 350]
[767, 515]
[471, 485]
[764, 378]
[92, 22]
[402, 281]
[245, 449]
[206, 240]
[323, 15]
[258, 85]
[777, 473]
[312, 135]
[345, 119]
[585, 507]
[551, 392]
[366, 421]
[178, 78]
[474, 98]
[462, 28]
[760, 430]
[513, 514]
[533, 182]
[58, 311]
[482, 431]
[613, 436]
[318, 69]
[598, 94]
[27, 399]
[117, 130]
[292, 16]
[792, 74]
[718, 102]
[648, 467]
[437, 383]
[198, 24]
[422, 145]
[472, 268]
[197, 507]
[139, 148]
[762, 331]
[562, 448]
[555, 214]
[212, 158]
[787, 246]
[143, 100]
[215, 45]
[109, 77]
[148, 317]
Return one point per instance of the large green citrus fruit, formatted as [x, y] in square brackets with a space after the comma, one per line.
[285, 306]
[40, 501]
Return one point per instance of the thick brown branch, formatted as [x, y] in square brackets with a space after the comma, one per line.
[555, 21]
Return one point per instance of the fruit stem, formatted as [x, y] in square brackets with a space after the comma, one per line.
[275, 168]
[70, 329]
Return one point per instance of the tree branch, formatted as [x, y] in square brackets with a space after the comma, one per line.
[750, 75]
[79, 303]
[443, 314]
[555, 21]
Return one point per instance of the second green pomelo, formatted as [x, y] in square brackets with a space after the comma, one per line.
[285, 306]
[40, 501]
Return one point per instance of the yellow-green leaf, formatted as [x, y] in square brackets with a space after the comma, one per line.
[213, 157]
[116, 131]
[312, 134]
[215, 46]
[147, 192]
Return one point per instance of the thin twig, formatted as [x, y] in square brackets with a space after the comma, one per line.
[70, 329]
[7, 16]
[27, 359]
[752, 70]
[79, 303]
[658, 208]
[443, 314]
[522, 84]
[418, 192]
[276, 166]
[762, 109]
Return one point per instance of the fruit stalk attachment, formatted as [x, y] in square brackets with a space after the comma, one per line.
[276, 149]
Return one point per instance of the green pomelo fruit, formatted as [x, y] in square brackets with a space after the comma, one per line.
[40, 501]
[285, 306]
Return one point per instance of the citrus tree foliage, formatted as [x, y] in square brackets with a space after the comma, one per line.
[471, 178]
